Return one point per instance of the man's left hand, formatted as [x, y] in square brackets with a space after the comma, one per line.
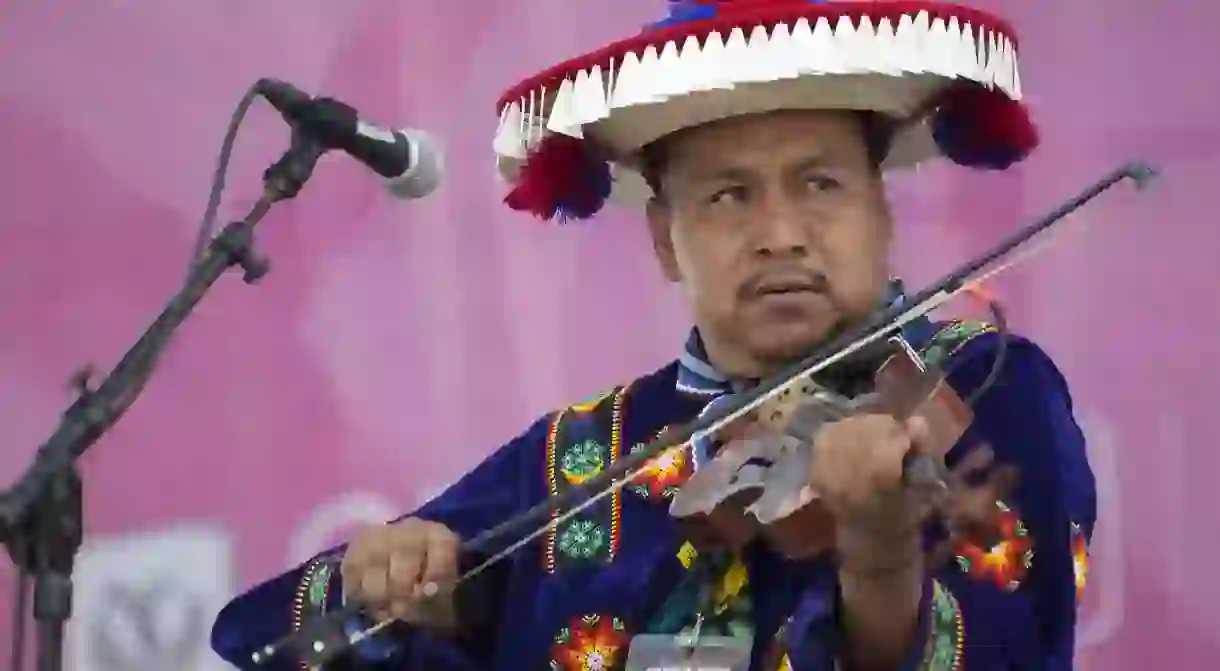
[857, 471]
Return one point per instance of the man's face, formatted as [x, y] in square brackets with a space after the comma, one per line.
[778, 229]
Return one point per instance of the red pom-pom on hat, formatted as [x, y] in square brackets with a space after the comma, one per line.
[980, 127]
[562, 178]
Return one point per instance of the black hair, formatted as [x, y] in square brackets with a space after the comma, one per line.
[878, 137]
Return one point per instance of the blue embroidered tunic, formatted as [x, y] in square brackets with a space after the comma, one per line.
[573, 599]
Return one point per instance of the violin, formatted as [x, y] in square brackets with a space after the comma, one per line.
[756, 484]
[726, 502]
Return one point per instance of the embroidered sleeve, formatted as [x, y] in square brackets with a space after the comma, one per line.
[506, 483]
[320, 590]
[944, 632]
[940, 637]
[317, 588]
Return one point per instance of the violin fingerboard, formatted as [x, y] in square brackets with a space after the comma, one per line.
[947, 416]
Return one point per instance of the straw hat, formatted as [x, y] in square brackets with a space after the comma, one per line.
[570, 136]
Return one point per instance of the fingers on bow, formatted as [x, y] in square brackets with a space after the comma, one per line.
[397, 574]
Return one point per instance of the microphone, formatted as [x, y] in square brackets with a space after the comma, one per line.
[409, 159]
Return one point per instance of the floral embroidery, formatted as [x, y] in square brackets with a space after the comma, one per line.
[947, 637]
[662, 477]
[583, 539]
[1004, 563]
[581, 444]
[1080, 559]
[583, 460]
[590, 643]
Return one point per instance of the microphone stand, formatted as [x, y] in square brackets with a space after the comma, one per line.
[41, 516]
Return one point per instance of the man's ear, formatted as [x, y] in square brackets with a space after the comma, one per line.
[660, 226]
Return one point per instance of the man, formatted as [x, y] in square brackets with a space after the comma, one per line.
[756, 133]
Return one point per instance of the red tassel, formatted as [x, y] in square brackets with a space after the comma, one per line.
[554, 171]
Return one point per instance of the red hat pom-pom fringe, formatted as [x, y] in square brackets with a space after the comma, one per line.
[564, 178]
[978, 127]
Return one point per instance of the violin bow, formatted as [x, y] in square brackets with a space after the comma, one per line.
[325, 637]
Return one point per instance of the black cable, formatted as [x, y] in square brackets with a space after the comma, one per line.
[20, 604]
[207, 227]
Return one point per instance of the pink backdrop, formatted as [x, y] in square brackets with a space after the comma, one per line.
[394, 344]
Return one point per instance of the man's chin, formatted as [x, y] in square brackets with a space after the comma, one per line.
[782, 345]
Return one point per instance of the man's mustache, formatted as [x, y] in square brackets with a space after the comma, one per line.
[781, 277]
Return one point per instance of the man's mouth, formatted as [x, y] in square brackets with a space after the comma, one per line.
[786, 287]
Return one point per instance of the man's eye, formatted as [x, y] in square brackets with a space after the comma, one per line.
[733, 194]
[823, 183]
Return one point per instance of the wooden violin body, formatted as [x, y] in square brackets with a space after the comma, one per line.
[755, 483]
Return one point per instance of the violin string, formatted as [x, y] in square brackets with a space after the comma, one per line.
[1032, 245]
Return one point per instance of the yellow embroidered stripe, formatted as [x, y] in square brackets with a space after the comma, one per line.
[310, 593]
[552, 487]
[582, 442]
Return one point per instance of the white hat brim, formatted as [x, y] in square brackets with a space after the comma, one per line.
[890, 69]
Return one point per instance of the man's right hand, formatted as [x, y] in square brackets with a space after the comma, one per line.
[386, 569]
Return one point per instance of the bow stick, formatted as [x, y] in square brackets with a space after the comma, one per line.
[324, 637]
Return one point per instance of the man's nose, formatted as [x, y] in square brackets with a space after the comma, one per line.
[780, 231]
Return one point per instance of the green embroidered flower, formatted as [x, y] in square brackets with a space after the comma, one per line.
[583, 460]
[318, 583]
[946, 342]
[583, 539]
